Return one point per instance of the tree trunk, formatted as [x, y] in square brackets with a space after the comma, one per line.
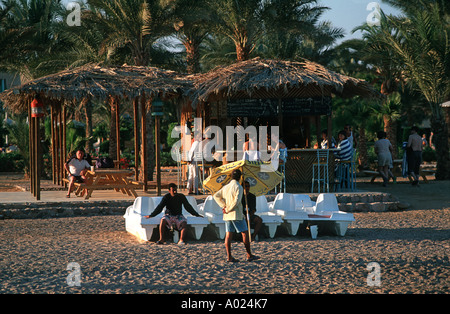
[192, 56]
[242, 52]
[363, 158]
[88, 115]
[390, 127]
[440, 140]
[112, 152]
[150, 147]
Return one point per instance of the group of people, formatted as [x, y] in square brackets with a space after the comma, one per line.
[384, 151]
[232, 198]
[344, 145]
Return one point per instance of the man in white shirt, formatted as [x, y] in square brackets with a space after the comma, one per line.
[76, 167]
[194, 152]
[230, 199]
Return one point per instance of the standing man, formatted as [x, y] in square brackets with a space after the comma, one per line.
[255, 220]
[414, 154]
[230, 199]
[173, 218]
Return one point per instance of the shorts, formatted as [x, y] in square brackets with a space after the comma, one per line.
[384, 159]
[236, 225]
[252, 220]
[77, 179]
[174, 221]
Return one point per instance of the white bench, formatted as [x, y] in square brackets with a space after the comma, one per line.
[284, 206]
[143, 228]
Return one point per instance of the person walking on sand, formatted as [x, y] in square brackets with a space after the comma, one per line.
[383, 149]
[229, 198]
[414, 154]
[173, 218]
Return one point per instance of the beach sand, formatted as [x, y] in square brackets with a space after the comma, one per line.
[410, 247]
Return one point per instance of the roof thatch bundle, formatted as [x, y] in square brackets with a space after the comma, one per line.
[98, 82]
[262, 78]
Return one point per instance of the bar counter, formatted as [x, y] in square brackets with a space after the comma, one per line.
[299, 166]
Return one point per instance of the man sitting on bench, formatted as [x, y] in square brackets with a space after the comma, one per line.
[173, 219]
[76, 167]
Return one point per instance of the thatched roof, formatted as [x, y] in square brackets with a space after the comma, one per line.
[262, 78]
[98, 82]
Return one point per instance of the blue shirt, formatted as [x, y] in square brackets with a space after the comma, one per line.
[345, 152]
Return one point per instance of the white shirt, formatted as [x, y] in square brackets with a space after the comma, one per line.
[76, 166]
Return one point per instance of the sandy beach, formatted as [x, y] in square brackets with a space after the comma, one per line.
[411, 248]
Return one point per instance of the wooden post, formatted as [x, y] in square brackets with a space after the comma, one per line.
[144, 143]
[30, 149]
[136, 137]
[158, 157]
[330, 130]
[37, 155]
[117, 130]
[64, 146]
[52, 119]
[60, 150]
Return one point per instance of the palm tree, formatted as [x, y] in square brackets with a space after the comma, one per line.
[389, 111]
[293, 30]
[422, 46]
[241, 21]
[30, 36]
[191, 21]
[133, 24]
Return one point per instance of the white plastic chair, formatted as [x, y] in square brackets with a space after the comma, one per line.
[270, 219]
[328, 214]
[136, 223]
[198, 223]
[213, 212]
[284, 205]
[326, 202]
[304, 203]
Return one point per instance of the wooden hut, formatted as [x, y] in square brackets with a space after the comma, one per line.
[112, 84]
[292, 95]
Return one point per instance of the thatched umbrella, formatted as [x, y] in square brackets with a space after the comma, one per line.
[264, 78]
[139, 84]
[94, 81]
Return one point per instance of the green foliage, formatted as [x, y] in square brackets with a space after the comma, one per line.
[11, 162]
[429, 154]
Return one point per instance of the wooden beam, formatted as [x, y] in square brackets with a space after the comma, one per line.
[52, 129]
[64, 142]
[158, 157]
[37, 158]
[117, 129]
[136, 137]
[144, 163]
[30, 149]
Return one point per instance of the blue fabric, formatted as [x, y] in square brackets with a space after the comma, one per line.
[236, 225]
[345, 152]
